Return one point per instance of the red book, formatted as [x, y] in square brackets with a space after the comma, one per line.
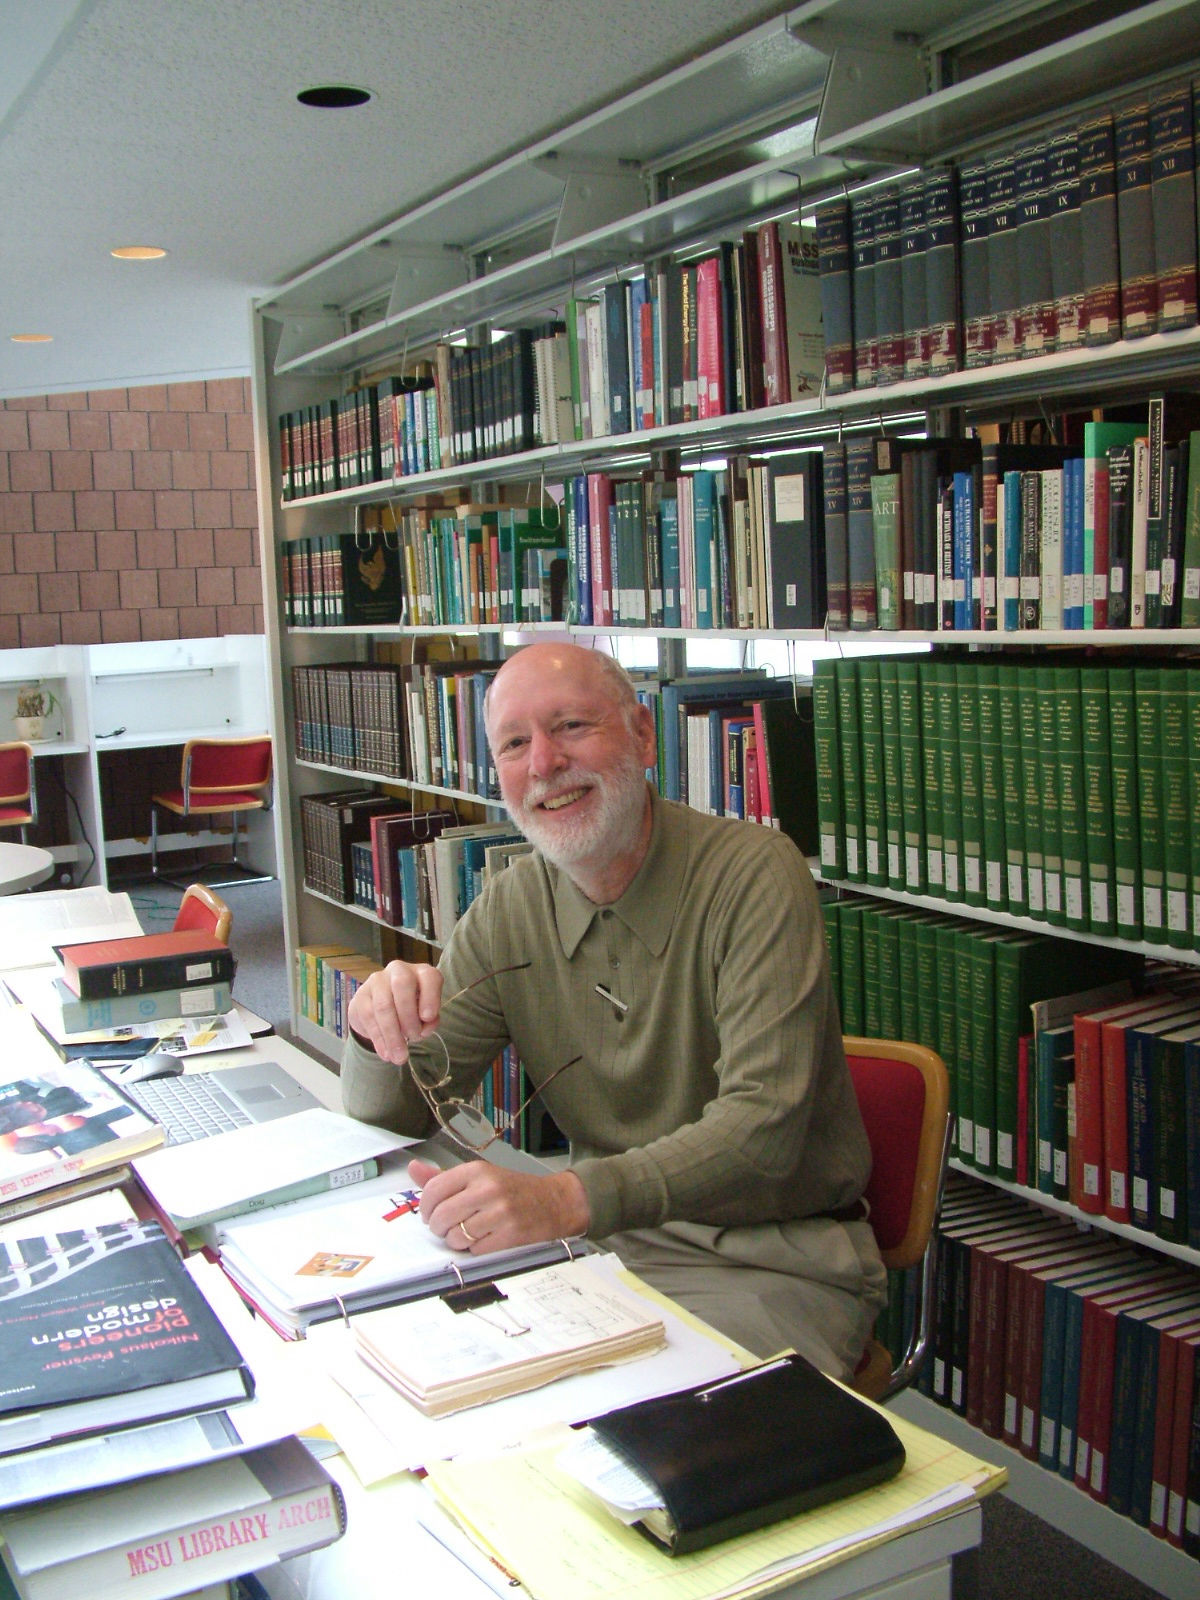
[646, 340]
[985, 1349]
[760, 757]
[710, 347]
[776, 376]
[1186, 1363]
[599, 502]
[1000, 1284]
[143, 963]
[1171, 1338]
[1094, 1421]
[1023, 1335]
[1089, 1102]
[1087, 1267]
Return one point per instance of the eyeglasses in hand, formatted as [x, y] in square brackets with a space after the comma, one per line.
[466, 1124]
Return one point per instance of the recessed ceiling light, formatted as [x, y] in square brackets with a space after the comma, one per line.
[31, 338]
[139, 252]
[333, 96]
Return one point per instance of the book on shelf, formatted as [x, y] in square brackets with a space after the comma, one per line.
[262, 1166]
[201, 1525]
[112, 968]
[104, 1328]
[466, 1348]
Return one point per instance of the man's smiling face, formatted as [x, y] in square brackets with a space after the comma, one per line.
[570, 757]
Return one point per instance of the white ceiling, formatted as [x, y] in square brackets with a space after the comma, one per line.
[175, 122]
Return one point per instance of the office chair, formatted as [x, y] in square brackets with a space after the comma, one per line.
[904, 1096]
[219, 777]
[203, 909]
[18, 791]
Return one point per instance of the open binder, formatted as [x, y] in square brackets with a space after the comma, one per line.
[746, 1451]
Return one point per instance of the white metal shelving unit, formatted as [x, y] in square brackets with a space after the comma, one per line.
[833, 92]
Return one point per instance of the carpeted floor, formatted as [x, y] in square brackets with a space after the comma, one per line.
[1020, 1556]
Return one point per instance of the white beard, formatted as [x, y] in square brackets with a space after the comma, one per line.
[609, 830]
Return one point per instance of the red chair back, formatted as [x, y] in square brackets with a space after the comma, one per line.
[891, 1097]
[203, 909]
[16, 773]
[223, 766]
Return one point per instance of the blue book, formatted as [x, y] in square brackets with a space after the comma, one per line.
[1139, 1080]
[1136, 1344]
[1072, 1350]
[410, 912]
[1010, 536]
[1073, 549]
[668, 513]
[703, 530]
[1054, 1309]
[964, 550]
[583, 551]
[1191, 1123]
[639, 293]
[1055, 1069]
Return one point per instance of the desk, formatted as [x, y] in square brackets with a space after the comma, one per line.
[23, 865]
[382, 1521]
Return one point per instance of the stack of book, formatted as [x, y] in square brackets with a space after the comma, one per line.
[1101, 531]
[153, 976]
[736, 330]
[121, 1455]
[1066, 793]
[1077, 1350]
[1078, 238]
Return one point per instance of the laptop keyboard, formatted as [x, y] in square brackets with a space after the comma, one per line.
[188, 1107]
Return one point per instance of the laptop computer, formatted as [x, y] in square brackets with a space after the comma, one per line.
[197, 1105]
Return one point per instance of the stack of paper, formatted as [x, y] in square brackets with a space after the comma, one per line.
[482, 1343]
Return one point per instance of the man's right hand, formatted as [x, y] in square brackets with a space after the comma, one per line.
[400, 1003]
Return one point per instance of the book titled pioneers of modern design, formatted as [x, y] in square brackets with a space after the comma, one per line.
[61, 1119]
[102, 1328]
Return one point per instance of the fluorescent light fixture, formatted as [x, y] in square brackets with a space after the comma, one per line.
[31, 338]
[139, 252]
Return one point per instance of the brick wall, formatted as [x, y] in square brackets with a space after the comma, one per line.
[128, 514]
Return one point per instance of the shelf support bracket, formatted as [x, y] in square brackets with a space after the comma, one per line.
[424, 272]
[871, 72]
[595, 192]
[304, 331]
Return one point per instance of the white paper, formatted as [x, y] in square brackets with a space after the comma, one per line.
[33, 923]
[384, 1434]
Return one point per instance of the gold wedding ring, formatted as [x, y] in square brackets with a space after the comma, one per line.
[469, 1237]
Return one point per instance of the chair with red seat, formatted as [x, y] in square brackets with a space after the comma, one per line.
[203, 909]
[219, 777]
[904, 1096]
[18, 791]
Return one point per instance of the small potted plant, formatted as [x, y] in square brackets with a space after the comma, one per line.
[33, 704]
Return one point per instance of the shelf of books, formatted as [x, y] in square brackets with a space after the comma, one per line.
[920, 378]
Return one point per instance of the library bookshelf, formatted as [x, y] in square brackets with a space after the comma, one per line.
[848, 102]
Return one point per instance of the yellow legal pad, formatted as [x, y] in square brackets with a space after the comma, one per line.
[508, 1502]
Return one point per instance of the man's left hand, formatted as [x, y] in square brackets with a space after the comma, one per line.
[478, 1207]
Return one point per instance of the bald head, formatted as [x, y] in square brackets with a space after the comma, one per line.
[570, 665]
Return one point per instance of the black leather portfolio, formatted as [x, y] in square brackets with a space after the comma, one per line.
[750, 1450]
